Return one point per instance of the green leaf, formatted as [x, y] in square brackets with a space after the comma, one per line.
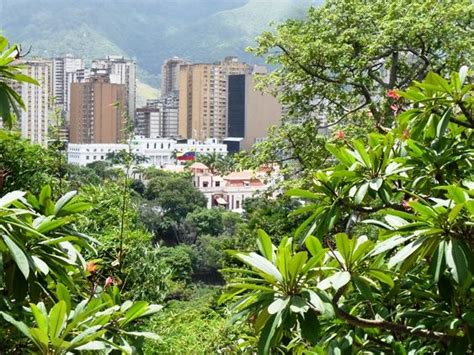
[93, 345]
[362, 153]
[265, 244]
[363, 287]
[278, 305]
[458, 261]
[10, 197]
[22, 327]
[344, 247]
[63, 201]
[268, 333]
[260, 263]
[18, 255]
[382, 277]
[336, 281]
[406, 251]
[136, 311]
[389, 244]
[57, 319]
[443, 123]
[310, 327]
[313, 245]
[40, 318]
[361, 192]
[302, 193]
[63, 295]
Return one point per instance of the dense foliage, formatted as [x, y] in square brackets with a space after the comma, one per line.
[336, 65]
[409, 289]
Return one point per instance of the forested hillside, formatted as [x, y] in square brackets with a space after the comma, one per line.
[150, 31]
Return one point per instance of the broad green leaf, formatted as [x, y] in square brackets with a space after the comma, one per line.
[268, 333]
[40, 318]
[361, 192]
[382, 277]
[310, 327]
[136, 311]
[265, 244]
[344, 247]
[336, 281]
[18, 255]
[40, 265]
[93, 345]
[443, 123]
[405, 252]
[390, 243]
[313, 245]
[63, 201]
[260, 263]
[457, 260]
[57, 319]
[10, 197]
[278, 305]
[302, 193]
[63, 295]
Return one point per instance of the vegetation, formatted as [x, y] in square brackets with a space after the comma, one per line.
[409, 289]
[366, 246]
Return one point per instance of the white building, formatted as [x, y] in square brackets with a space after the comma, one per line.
[158, 151]
[228, 191]
[64, 74]
[34, 120]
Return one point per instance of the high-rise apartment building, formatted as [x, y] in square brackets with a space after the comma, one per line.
[149, 122]
[203, 97]
[170, 76]
[158, 119]
[34, 120]
[96, 111]
[64, 71]
[250, 112]
[120, 71]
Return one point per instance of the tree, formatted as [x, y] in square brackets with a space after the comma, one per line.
[24, 166]
[337, 65]
[408, 289]
[175, 194]
[207, 221]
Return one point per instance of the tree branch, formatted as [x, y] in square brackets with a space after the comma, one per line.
[396, 328]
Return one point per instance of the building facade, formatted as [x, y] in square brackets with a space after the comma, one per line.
[170, 76]
[203, 97]
[64, 69]
[34, 121]
[121, 71]
[165, 120]
[228, 191]
[96, 114]
[250, 112]
[158, 151]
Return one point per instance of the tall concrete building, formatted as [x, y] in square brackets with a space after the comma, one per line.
[121, 71]
[64, 74]
[96, 116]
[250, 112]
[203, 98]
[170, 76]
[34, 120]
[158, 119]
[149, 122]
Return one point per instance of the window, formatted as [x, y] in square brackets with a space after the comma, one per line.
[218, 183]
[205, 184]
[87, 157]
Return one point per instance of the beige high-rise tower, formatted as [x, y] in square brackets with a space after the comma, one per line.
[97, 111]
[203, 98]
[34, 120]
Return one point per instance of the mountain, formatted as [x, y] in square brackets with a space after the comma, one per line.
[148, 30]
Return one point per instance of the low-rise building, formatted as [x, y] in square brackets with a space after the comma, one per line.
[228, 191]
[157, 151]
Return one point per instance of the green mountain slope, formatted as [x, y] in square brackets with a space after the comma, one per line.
[148, 30]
